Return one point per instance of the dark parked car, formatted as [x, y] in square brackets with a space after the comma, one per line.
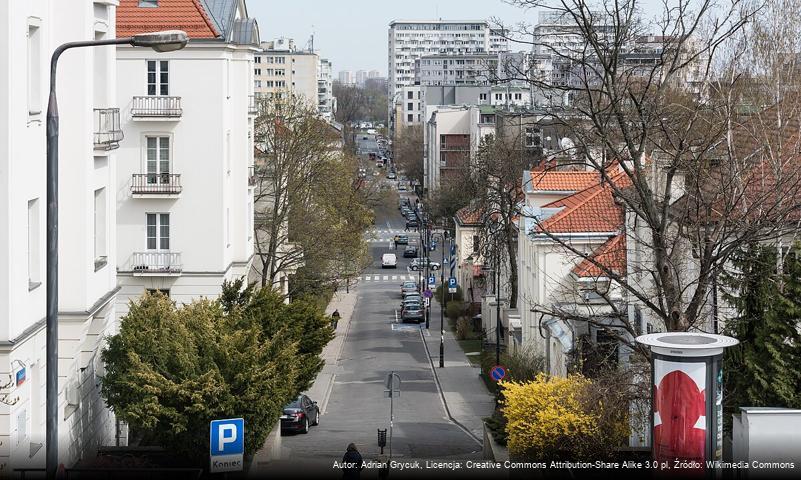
[411, 224]
[410, 252]
[412, 313]
[299, 415]
[402, 239]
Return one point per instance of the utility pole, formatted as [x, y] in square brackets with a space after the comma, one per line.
[390, 391]
[442, 310]
[497, 309]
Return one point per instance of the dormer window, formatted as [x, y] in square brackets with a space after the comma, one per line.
[148, 3]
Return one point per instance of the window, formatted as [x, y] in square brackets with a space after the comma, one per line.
[482, 96]
[410, 118]
[410, 106]
[34, 68]
[257, 60]
[498, 96]
[257, 71]
[409, 95]
[532, 137]
[163, 291]
[476, 243]
[258, 84]
[148, 3]
[34, 250]
[101, 255]
[518, 96]
[158, 231]
[158, 160]
[158, 75]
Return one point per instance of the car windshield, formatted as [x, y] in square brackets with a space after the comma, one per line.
[409, 285]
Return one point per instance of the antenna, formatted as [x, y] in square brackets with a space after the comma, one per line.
[311, 40]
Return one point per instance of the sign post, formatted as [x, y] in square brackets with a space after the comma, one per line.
[227, 445]
[392, 391]
[452, 285]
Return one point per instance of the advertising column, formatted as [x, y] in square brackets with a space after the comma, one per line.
[687, 395]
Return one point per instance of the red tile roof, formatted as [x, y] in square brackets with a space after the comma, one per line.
[469, 215]
[563, 181]
[590, 210]
[186, 15]
[612, 255]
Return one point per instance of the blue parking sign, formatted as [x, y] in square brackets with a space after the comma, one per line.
[227, 445]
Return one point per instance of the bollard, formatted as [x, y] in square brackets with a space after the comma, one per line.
[382, 439]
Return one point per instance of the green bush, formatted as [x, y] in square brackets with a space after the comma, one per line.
[459, 295]
[463, 329]
[454, 310]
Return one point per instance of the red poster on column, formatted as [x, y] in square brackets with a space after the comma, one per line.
[679, 411]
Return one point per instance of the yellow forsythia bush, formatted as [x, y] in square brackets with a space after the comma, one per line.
[559, 417]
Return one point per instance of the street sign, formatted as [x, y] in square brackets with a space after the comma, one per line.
[452, 285]
[427, 302]
[498, 372]
[432, 280]
[428, 293]
[227, 445]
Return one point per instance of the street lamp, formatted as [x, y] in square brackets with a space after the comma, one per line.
[166, 41]
[440, 237]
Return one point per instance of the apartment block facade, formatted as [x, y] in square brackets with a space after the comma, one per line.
[281, 69]
[184, 180]
[89, 135]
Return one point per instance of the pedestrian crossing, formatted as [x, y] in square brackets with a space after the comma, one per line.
[389, 278]
[378, 236]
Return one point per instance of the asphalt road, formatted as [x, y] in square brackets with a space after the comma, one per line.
[375, 346]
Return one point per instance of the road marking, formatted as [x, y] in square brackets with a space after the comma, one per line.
[394, 277]
[386, 277]
[396, 315]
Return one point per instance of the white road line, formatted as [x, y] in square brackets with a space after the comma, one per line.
[386, 277]
[394, 277]
[367, 278]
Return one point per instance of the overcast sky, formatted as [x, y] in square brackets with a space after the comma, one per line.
[353, 33]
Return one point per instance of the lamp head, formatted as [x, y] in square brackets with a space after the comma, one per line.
[166, 41]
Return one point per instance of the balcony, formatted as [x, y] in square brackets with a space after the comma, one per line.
[156, 108]
[156, 264]
[156, 185]
[253, 105]
[108, 133]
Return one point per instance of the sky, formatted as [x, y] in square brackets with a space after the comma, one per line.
[353, 33]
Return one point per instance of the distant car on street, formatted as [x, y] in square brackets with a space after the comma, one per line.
[413, 313]
[391, 175]
[299, 415]
[412, 223]
[389, 260]
[401, 239]
[410, 252]
[401, 187]
[408, 287]
[420, 263]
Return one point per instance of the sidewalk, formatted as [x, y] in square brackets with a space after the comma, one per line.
[320, 391]
[466, 396]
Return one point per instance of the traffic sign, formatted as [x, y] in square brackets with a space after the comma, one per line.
[227, 445]
[452, 285]
[432, 280]
[498, 372]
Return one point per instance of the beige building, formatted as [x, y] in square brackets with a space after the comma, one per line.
[281, 69]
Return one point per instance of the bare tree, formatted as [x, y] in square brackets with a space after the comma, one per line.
[697, 178]
[408, 152]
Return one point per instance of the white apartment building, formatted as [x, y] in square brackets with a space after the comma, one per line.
[89, 132]
[184, 193]
[465, 69]
[281, 69]
[373, 74]
[361, 77]
[346, 77]
[409, 107]
[326, 102]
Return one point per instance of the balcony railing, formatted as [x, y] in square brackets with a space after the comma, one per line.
[156, 183]
[108, 133]
[156, 106]
[251, 176]
[156, 263]
[253, 105]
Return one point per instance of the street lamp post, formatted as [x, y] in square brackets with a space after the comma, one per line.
[440, 237]
[161, 42]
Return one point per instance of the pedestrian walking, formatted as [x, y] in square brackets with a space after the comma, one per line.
[335, 319]
[352, 464]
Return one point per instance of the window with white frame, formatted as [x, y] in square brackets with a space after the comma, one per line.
[158, 231]
[34, 245]
[101, 254]
[158, 160]
[158, 77]
[532, 136]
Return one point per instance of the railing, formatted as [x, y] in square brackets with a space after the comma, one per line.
[156, 106]
[156, 262]
[108, 133]
[252, 175]
[156, 183]
[253, 105]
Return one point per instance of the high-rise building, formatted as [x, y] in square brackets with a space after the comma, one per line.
[412, 39]
[281, 69]
[326, 102]
[373, 74]
[346, 77]
[361, 76]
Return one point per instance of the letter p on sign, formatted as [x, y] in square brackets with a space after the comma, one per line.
[227, 435]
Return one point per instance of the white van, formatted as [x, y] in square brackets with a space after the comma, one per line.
[389, 260]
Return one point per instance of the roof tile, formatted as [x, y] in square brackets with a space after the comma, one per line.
[186, 15]
[612, 255]
[563, 181]
[590, 210]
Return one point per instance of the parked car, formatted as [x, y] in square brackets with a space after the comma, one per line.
[408, 287]
[389, 260]
[411, 302]
[412, 223]
[413, 313]
[391, 175]
[420, 263]
[401, 188]
[299, 415]
[410, 252]
[401, 239]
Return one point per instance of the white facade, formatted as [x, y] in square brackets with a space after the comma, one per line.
[326, 102]
[410, 106]
[346, 77]
[280, 69]
[87, 260]
[464, 69]
[184, 194]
